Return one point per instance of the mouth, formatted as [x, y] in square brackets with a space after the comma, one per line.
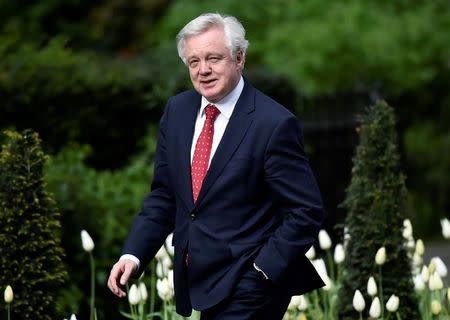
[209, 82]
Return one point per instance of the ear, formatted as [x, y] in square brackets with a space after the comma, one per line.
[240, 59]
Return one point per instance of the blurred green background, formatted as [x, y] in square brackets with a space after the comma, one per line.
[92, 77]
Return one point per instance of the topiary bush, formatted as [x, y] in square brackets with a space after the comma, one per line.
[30, 231]
[376, 203]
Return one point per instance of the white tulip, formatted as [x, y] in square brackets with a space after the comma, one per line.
[324, 240]
[436, 307]
[358, 301]
[143, 291]
[410, 244]
[165, 292]
[420, 247]
[417, 259]
[161, 253]
[86, 241]
[407, 229]
[392, 304]
[294, 303]
[448, 294]
[441, 268]
[445, 224]
[303, 304]
[375, 308]
[419, 284]
[425, 274]
[321, 269]
[72, 317]
[339, 253]
[9, 294]
[380, 257]
[134, 296]
[311, 253]
[169, 246]
[435, 282]
[160, 270]
[170, 279]
[372, 287]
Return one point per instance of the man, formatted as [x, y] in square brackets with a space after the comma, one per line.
[232, 183]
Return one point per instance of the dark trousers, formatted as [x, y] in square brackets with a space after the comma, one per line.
[253, 298]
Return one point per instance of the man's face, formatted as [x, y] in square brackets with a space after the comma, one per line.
[213, 71]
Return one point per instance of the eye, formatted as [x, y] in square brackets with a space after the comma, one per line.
[193, 63]
[214, 59]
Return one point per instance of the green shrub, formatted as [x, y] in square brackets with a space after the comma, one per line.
[31, 259]
[103, 203]
[376, 203]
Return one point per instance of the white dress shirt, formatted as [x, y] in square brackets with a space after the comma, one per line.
[226, 106]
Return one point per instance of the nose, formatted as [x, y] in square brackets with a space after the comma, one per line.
[205, 68]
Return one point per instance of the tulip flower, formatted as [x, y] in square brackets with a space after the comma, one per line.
[445, 224]
[407, 229]
[294, 303]
[86, 241]
[143, 291]
[380, 257]
[72, 317]
[302, 304]
[161, 253]
[419, 284]
[425, 274]
[436, 307]
[9, 295]
[441, 268]
[311, 253]
[339, 253]
[165, 291]
[375, 308]
[420, 247]
[448, 294]
[435, 282]
[134, 295]
[417, 259]
[392, 303]
[170, 248]
[372, 287]
[324, 240]
[358, 301]
[321, 269]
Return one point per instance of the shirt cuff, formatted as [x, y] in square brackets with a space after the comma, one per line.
[259, 270]
[132, 258]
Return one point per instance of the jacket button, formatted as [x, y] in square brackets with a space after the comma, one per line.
[192, 216]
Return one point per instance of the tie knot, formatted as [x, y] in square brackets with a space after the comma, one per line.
[211, 112]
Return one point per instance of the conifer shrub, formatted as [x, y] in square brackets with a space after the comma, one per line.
[376, 204]
[31, 254]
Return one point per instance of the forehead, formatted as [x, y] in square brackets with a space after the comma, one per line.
[210, 41]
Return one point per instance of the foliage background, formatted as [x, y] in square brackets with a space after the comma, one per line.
[93, 77]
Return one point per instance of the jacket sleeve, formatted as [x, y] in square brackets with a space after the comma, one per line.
[156, 220]
[292, 183]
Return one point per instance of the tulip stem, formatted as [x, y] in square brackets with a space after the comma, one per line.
[380, 285]
[8, 307]
[398, 316]
[91, 258]
[360, 316]
[330, 265]
[152, 286]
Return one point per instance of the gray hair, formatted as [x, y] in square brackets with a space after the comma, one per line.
[234, 32]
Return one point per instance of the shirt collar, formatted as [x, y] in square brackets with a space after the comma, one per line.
[227, 103]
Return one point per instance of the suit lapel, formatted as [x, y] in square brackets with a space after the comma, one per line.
[238, 125]
[185, 129]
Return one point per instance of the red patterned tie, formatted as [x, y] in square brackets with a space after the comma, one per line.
[202, 150]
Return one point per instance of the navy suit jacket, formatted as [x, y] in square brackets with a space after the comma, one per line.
[259, 202]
